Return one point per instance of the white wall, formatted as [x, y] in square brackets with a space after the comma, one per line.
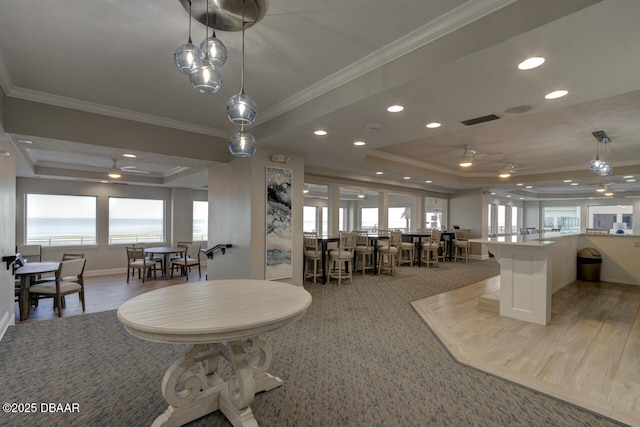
[7, 228]
[237, 215]
[468, 210]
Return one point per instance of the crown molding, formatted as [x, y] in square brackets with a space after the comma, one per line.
[105, 110]
[433, 30]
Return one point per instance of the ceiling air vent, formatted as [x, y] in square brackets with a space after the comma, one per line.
[480, 120]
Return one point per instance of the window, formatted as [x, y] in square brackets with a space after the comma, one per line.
[369, 219]
[54, 220]
[566, 218]
[400, 218]
[515, 219]
[200, 221]
[434, 219]
[502, 219]
[309, 218]
[136, 220]
[611, 217]
[325, 220]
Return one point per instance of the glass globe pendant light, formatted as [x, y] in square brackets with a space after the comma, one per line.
[242, 144]
[205, 75]
[186, 55]
[241, 109]
[215, 48]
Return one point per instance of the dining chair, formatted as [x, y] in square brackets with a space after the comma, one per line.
[32, 253]
[60, 287]
[387, 254]
[462, 245]
[190, 258]
[312, 256]
[137, 260]
[364, 251]
[340, 258]
[180, 244]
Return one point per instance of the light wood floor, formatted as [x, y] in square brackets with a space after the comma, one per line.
[589, 355]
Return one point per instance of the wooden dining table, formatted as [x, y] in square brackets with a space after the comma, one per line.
[165, 251]
[215, 319]
[27, 274]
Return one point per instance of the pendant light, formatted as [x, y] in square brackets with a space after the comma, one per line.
[241, 109]
[214, 47]
[205, 75]
[242, 144]
[187, 54]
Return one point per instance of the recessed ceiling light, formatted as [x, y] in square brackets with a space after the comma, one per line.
[628, 176]
[508, 195]
[114, 175]
[406, 177]
[631, 180]
[521, 198]
[359, 143]
[609, 193]
[434, 125]
[567, 180]
[529, 186]
[320, 132]
[556, 94]
[131, 156]
[574, 183]
[379, 173]
[531, 63]
[103, 181]
[428, 182]
[492, 193]
[25, 141]
[519, 184]
[395, 108]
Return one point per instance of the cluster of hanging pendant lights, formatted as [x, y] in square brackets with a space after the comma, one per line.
[202, 65]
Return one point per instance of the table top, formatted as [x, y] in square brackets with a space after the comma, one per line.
[36, 268]
[213, 310]
[164, 249]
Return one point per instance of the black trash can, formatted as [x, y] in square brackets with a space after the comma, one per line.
[589, 264]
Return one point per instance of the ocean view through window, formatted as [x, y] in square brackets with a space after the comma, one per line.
[200, 221]
[56, 220]
[135, 220]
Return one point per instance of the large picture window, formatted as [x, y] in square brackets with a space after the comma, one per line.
[200, 221]
[55, 220]
[135, 220]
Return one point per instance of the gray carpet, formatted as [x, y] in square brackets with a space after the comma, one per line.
[360, 357]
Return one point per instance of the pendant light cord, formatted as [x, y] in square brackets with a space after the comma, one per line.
[190, 17]
[242, 69]
[206, 29]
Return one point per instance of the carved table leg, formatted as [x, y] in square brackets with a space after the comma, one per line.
[193, 389]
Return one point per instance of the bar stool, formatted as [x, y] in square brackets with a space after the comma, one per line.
[462, 245]
[364, 251]
[387, 254]
[340, 258]
[312, 256]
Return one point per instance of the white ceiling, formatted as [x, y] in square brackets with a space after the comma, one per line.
[337, 65]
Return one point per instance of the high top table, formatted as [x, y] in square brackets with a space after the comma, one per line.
[218, 318]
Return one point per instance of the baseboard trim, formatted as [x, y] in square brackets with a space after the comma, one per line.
[6, 321]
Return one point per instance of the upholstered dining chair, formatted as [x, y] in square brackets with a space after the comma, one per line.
[340, 258]
[190, 258]
[312, 256]
[57, 289]
[137, 260]
[32, 253]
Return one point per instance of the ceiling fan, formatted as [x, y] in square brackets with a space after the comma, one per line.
[508, 169]
[114, 171]
[470, 154]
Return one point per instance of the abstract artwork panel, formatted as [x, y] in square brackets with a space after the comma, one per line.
[279, 240]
